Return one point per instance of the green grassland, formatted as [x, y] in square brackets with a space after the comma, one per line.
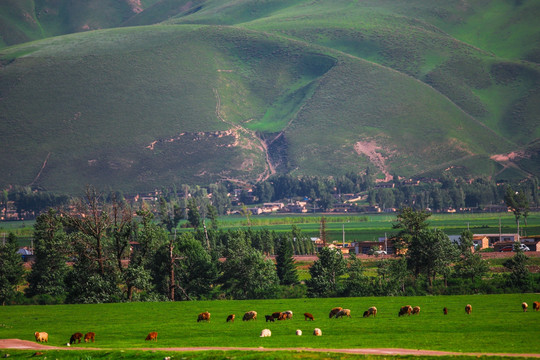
[372, 227]
[191, 96]
[497, 324]
[357, 228]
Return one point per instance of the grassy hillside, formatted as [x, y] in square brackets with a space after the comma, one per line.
[27, 20]
[241, 89]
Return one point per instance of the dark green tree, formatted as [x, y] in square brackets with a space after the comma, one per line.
[170, 214]
[358, 283]
[431, 252]
[196, 271]
[325, 273]
[518, 203]
[49, 270]
[246, 274]
[11, 268]
[213, 216]
[410, 223]
[520, 276]
[194, 217]
[149, 237]
[285, 266]
[469, 265]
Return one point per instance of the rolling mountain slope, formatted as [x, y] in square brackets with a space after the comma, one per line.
[241, 89]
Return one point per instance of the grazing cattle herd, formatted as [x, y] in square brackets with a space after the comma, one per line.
[337, 312]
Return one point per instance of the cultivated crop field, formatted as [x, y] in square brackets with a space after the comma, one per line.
[497, 324]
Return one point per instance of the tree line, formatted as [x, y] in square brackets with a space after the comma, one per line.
[98, 251]
[321, 192]
[436, 194]
[429, 264]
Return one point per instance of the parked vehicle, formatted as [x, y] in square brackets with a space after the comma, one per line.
[509, 248]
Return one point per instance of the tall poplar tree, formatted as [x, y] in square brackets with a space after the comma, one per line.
[49, 269]
[11, 268]
[285, 268]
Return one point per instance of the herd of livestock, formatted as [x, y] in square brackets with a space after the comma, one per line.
[336, 312]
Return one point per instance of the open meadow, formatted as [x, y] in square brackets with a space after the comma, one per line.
[497, 324]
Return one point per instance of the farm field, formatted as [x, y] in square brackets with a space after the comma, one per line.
[496, 325]
[358, 227]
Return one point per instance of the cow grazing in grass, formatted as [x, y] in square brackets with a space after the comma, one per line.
[334, 311]
[288, 314]
[342, 313]
[269, 318]
[250, 315]
[468, 309]
[445, 311]
[524, 306]
[308, 316]
[77, 336]
[317, 332]
[151, 336]
[204, 316]
[405, 310]
[90, 336]
[416, 310]
[371, 311]
[266, 333]
[230, 318]
[276, 315]
[536, 305]
[41, 336]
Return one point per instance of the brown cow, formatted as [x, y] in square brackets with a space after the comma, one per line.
[90, 336]
[250, 315]
[269, 318]
[468, 308]
[75, 337]
[308, 316]
[342, 313]
[445, 311]
[285, 316]
[230, 318]
[371, 311]
[536, 305]
[41, 336]
[416, 310]
[151, 336]
[334, 311]
[204, 316]
[405, 310]
[276, 315]
[524, 306]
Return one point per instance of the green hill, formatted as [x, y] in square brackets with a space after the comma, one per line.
[242, 89]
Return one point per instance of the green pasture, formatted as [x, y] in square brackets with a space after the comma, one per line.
[497, 324]
[357, 227]
[370, 227]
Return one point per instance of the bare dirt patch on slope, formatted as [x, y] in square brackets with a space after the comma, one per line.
[371, 150]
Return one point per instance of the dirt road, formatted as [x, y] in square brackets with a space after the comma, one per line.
[30, 345]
